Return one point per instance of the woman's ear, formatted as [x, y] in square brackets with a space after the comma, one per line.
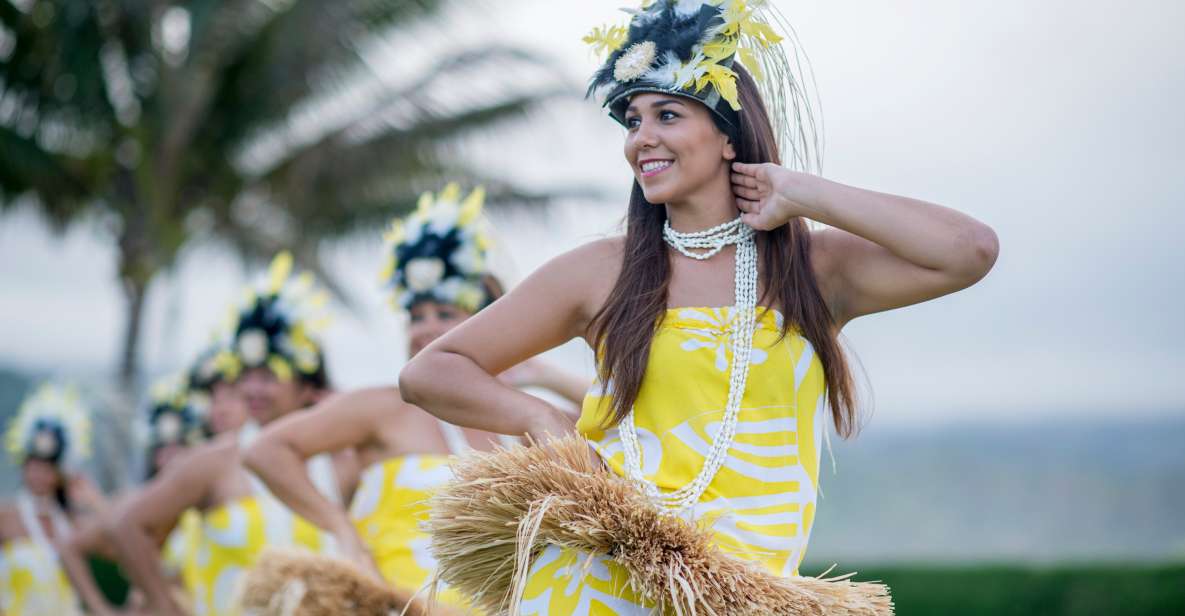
[730, 153]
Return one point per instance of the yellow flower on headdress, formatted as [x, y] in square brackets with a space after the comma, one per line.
[722, 79]
[606, 39]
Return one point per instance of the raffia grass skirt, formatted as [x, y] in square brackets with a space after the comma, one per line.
[503, 508]
[295, 583]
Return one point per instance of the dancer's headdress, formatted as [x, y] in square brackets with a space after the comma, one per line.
[439, 252]
[177, 415]
[689, 48]
[52, 424]
[277, 325]
[211, 365]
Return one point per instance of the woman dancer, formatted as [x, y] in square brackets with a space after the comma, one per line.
[180, 416]
[278, 367]
[49, 439]
[714, 320]
[436, 267]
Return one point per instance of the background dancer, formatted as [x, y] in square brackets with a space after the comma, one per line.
[279, 370]
[49, 439]
[437, 268]
[715, 319]
[180, 416]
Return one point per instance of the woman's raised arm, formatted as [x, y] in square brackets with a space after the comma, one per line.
[883, 252]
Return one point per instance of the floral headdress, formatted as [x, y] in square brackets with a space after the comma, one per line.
[690, 48]
[277, 325]
[211, 365]
[439, 252]
[177, 414]
[53, 425]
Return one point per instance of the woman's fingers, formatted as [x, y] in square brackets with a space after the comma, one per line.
[745, 168]
[747, 206]
[747, 181]
[751, 194]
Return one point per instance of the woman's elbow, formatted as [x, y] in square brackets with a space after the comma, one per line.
[413, 380]
[980, 248]
[254, 456]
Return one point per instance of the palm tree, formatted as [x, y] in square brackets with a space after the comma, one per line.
[258, 123]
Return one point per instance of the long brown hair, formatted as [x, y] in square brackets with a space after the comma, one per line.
[623, 329]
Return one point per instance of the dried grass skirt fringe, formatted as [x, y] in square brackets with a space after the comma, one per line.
[502, 508]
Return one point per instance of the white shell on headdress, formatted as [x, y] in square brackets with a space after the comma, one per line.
[168, 428]
[635, 62]
[424, 273]
[252, 347]
[45, 443]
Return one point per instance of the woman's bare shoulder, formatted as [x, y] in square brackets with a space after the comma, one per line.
[588, 271]
[600, 257]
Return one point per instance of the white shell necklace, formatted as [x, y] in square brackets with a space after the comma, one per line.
[709, 242]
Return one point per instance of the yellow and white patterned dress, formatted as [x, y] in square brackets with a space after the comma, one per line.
[32, 581]
[388, 508]
[232, 538]
[181, 545]
[233, 535]
[760, 505]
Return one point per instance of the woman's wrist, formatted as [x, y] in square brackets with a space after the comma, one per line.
[548, 423]
[340, 524]
[817, 197]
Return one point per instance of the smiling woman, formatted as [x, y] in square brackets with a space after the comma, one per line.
[715, 322]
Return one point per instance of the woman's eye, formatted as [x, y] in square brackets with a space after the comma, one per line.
[667, 115]
[632, 122]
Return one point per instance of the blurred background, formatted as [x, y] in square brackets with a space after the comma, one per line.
[1024, 449]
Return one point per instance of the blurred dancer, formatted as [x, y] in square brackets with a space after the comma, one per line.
[437, 268]
[180, 415]
[279, 369]
[49, 439]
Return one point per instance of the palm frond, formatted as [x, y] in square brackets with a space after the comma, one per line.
[26, 168]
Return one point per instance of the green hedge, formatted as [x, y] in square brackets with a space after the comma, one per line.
[1087, 590]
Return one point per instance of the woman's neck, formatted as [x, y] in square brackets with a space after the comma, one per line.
[41, 501]
[713, 205]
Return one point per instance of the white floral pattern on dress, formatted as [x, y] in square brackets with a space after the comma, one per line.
[716, 335]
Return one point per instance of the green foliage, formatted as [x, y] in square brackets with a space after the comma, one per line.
[110, 579]
[1003, 590]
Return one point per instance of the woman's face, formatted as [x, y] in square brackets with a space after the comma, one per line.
[227, 409]
[429, 321]
[267, 397]
[40, 477]
[674, 147]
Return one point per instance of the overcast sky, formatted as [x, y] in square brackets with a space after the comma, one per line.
[1058, 123]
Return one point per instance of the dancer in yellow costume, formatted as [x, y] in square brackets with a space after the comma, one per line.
[715, 319]
[49, 438]
[279, 370]
[437, 269]
[183, 412]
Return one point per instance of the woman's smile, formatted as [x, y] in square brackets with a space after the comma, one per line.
[654, 166]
